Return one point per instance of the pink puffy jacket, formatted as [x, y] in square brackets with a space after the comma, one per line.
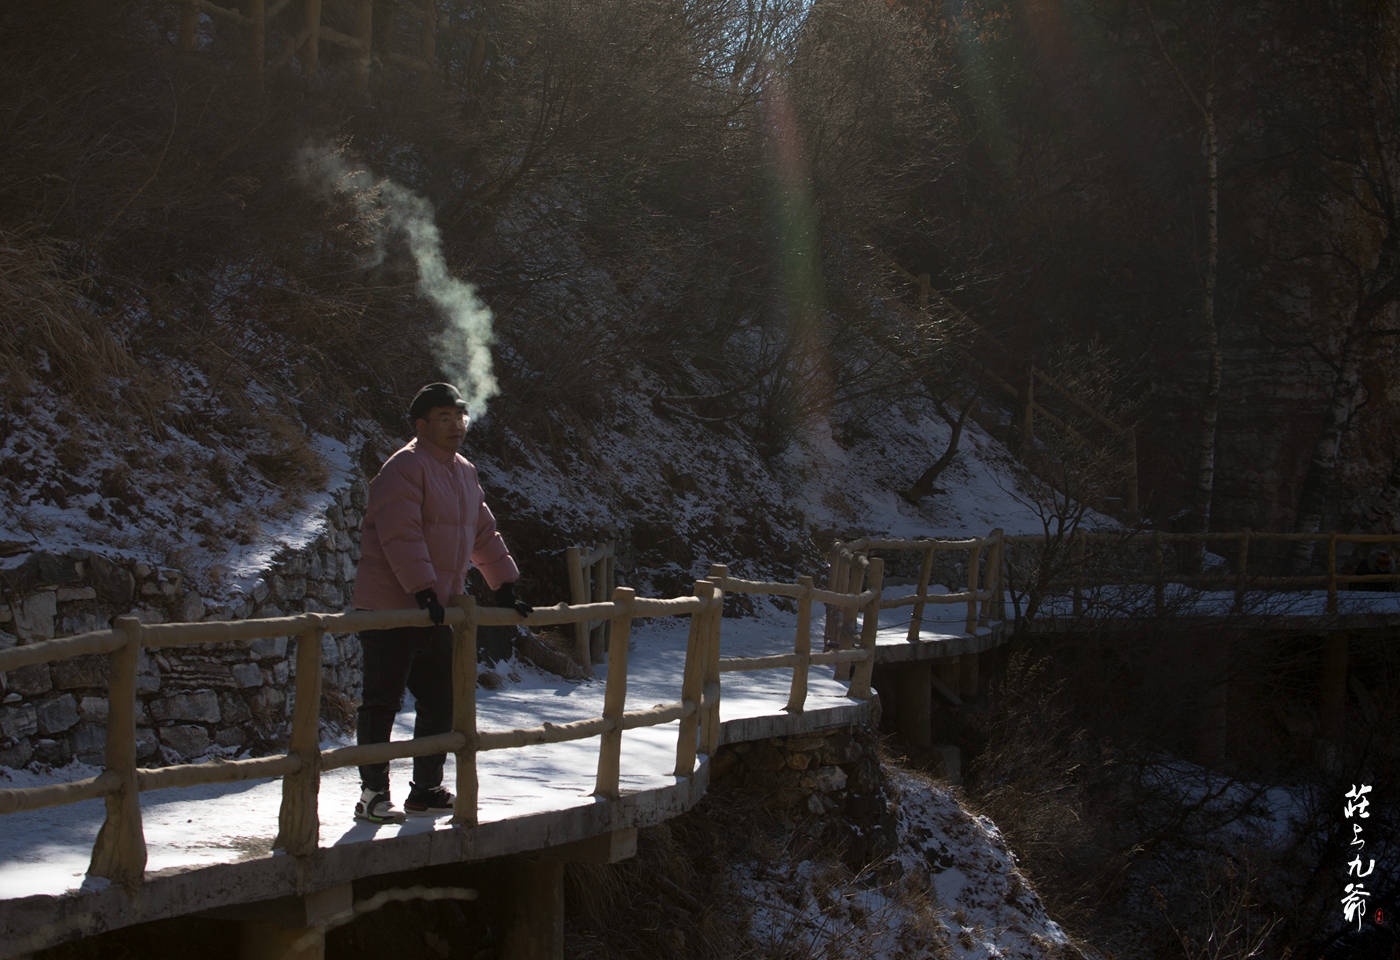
[425, 524]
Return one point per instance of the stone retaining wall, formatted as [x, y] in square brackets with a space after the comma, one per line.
[192, 700]
[830, 781]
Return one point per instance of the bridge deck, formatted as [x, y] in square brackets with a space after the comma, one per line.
[211, 847]
[46, 851]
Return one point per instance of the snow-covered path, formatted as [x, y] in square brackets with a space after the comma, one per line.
[47, 851]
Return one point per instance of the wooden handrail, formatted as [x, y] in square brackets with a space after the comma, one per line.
[298, 823]
[1237, 580]
[857, 575]
[692, 682]
[48, 651]
[592, 577]
[309, 36]
[615, 697]
[464, 672]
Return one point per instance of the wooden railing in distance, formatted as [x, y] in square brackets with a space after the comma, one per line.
[306, 39]
[592, 576]
[990, 349]
[851, 562]
[120, 852]
[1127, 558]
[802, 658]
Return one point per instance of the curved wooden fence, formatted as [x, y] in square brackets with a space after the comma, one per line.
[855, 590]
[119, 853]
[1239, 563]
[855, 563]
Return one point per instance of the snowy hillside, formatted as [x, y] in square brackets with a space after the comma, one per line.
[680, 496]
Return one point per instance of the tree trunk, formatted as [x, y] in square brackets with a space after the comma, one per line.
[924, 485]
[1380, 291]
[1203, 487]
[1210, 413]
[1322, 468]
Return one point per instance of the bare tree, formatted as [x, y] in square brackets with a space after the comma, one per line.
[1337, 224]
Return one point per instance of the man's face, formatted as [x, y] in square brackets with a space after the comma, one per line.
[444, 428]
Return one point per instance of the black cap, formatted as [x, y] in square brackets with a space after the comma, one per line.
[435, 395]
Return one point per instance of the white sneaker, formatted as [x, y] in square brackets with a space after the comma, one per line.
[375, 806]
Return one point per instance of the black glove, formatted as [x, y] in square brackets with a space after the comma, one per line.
[505, 597]
[427, 600]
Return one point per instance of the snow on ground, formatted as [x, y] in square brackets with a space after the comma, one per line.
[47, 851]
[177, 498]
[957, 882]
[955, 891]
[825, 486]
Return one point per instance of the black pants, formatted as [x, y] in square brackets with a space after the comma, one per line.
[416, 658]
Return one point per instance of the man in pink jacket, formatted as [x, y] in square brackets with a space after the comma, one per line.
[425, 525]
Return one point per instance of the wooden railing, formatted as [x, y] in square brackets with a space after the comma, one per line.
[119, 853]
[1089, 560]
[802, 658]
[852, 565]
[856, 584]
[303, 36]
[592, 576]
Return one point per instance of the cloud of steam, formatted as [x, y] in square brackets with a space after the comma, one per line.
[463, 346]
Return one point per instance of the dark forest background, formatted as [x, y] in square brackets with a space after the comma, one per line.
[1187, 208]
[1183, 210]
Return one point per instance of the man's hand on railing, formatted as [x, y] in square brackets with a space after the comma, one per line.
[505, 597]
[428, 600]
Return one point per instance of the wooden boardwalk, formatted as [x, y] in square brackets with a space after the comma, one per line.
[817, 677]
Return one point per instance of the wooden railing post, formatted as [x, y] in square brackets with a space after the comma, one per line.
[692, 684]
[189, 25]
[311, 56]
[1159, 584]
[257, 43]
[1332, 573]
[710, 690]
[797, 696]
[1241, 575]
[855, 574]
[578, 593]
[869, 634]
[464, 712]
[364, 33]
[615, 696]
[298, 824]
[916, 618]
[974, 580]
[992, 598]
[120, 851]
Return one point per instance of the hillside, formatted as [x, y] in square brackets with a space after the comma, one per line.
[194, 362]
[668, 255]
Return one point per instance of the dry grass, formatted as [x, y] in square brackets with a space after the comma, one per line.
[1227, 922]
[1132, 864]
[287, 458]
[666, 901]
[50, 331]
